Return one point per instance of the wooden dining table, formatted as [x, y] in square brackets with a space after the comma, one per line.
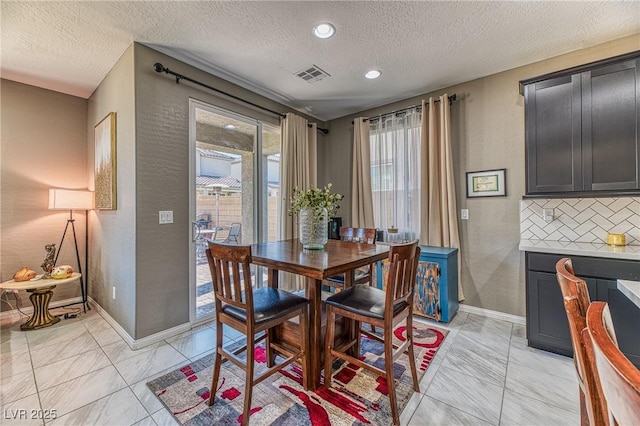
[337, 257]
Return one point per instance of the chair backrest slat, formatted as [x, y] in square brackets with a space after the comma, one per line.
[620, 379]
[230, 267]
[576, 301]
[402, 275]
[358, 235]
[570, 285]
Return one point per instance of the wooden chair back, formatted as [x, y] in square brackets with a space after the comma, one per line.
[358, 235]
[576, 302]
[402, 276]
[230, 267]
[620, 379]
[572, 286]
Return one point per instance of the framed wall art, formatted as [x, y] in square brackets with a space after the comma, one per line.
[487, 183]
[105, 163]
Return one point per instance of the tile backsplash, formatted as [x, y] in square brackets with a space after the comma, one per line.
[581, 220]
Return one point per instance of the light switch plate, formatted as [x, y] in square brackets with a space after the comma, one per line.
[464, 214]
[165, 216]
[547, 215]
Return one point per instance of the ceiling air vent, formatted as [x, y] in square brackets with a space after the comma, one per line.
[312, 74]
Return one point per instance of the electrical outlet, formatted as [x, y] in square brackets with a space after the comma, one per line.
[165, 216]
[113, 292]
[547, 215]
[464, 214]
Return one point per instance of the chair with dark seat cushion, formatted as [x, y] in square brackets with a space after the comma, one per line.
[361, 236]
[576, 302]
[619, 378]
[383, 308]
[251, 312]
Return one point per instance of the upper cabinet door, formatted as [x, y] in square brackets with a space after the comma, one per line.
[553, 135]
[610, 126]
[582, 130]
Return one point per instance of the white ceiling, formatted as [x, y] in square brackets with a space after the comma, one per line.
[419, 46]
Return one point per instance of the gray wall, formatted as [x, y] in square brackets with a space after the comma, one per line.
[488, 133]
[162, 181]
[42, 146]
[112, 237]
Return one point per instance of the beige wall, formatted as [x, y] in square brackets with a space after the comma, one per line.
[43, 146]
[488, 132]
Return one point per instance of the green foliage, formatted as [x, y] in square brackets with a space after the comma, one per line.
[315, 199]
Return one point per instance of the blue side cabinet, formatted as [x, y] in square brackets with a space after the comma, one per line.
[436, 293]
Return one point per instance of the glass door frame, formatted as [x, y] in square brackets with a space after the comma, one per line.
[259, 201]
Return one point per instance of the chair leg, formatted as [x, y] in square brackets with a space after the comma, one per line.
[584, 416]
[391, 381]
[411, 353]
[271, 357]
[249, 378]
[216, 365]
[356, 346]
[328, 346]
[304, 342]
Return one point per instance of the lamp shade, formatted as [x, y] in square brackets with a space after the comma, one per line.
[67, 199]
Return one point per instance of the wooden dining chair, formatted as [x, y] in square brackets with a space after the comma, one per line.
[383, 308]
[576, 302]
[251, 311]
[361, 236]
[620, 379]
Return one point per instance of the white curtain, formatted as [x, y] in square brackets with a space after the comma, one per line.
[439, 223]
[395, 173]
[298, 169]
[361, 199]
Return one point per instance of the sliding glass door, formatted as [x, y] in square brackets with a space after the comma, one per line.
[234, 192]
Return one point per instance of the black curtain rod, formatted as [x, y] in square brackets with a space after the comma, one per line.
[158, 67]
[451, 98]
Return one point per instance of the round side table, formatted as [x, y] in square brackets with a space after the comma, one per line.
[41, 291]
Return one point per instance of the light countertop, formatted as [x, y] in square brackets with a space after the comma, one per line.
[581, 249]
[631, 289]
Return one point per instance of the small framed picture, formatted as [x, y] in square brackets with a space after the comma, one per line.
[487, 183]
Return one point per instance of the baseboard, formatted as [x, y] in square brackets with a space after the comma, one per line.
[135, 344]
[516, 319]
[29, 309]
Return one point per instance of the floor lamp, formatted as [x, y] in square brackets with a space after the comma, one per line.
[66, 199]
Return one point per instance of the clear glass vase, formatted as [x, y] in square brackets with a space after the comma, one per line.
[313, 228]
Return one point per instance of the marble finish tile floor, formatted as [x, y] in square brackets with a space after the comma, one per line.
[484, 374]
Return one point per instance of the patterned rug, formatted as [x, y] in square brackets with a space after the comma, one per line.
[356, 397]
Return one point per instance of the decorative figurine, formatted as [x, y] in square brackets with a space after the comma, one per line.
[48, 263]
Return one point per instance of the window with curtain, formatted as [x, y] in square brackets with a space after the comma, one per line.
[395, 173]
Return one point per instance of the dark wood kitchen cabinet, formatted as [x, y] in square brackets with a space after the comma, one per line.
[547, 325]
[581, 129]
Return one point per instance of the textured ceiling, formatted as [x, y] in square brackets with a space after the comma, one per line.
[419, 46]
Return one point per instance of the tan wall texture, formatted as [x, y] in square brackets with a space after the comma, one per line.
[43, 145]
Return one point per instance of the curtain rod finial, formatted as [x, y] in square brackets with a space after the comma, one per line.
[158, 67]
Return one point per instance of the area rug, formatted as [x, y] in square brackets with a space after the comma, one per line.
[356, 397]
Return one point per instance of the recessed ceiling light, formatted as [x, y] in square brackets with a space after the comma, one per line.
[324, 30]
[373, 74]
[230, 127]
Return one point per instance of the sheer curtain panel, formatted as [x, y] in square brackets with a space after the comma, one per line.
[395, 173]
